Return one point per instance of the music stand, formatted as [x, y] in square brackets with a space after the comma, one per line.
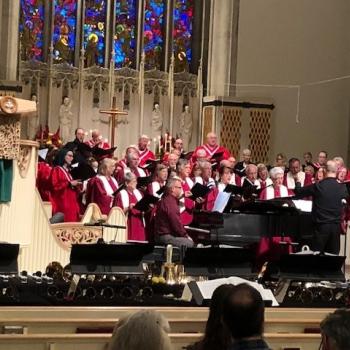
[311, 267]
[215, 262]
[108, 259]
[8, 259]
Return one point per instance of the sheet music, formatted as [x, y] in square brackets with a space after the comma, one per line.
[221, 201]
[303, 205]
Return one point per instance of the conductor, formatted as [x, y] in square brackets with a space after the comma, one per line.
[327, 196]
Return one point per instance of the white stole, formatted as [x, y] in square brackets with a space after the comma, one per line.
[221, 187]
[125, 197]
[66, 173]
[291, 182]
[270, 192]
[139, 170]
[210, 151]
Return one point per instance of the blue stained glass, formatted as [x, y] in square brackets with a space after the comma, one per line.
[65, 21]
[182, 33]
[31, 29]
[153, 33]
[95, 32]
[125, 32]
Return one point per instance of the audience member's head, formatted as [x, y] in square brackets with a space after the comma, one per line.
[244, 312]
[146, 329]
[217, 334]
[335, 330]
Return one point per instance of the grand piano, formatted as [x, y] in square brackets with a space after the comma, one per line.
[244, 224]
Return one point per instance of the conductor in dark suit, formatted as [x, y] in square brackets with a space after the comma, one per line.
[328, 196]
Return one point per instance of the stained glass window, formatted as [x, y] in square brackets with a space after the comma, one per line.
[153, 32]
[65, 22]
[31, 28]
[182, 33]
[94, 32]
[125, 32]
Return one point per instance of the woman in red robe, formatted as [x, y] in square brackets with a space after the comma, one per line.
[101, 188]
[126, 199]
[65, 190]
[160, 177]
[186, 204]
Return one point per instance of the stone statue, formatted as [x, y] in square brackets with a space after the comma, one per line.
[33, 121]
[186, 125]
[157, 120]
[65, 118]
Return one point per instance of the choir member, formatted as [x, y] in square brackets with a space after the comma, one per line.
[339, 161]
[277, 190]
[43, 183]
[225, 175]
[307, 160]
[122, 162]
[281, 161]
[321, 160]
[341, 174]
[235, 178]
[144, 153]
[207, 203]
[97, 140]
[64, 190]
[73, 146]
[241, 166]
[178, 145]
[211, 147]
[171, 163]
[132, 165]
[126, 200]
[159, 180]
[186, 204]
[295, 174]
[320, 174]
[251, 178]
[101, 189]
[168, 228]
[263, 176]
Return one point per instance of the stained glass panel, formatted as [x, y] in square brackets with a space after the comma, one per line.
[94, 31]
[182, 33]
[31, 29]
[65, 22]
[125, 32]
[154, 33]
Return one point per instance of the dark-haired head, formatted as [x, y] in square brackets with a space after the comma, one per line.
[244, 312]
[217, 335]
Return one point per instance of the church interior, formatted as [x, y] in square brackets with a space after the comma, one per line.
[154, 150]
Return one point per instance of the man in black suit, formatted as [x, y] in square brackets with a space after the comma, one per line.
[328, 196]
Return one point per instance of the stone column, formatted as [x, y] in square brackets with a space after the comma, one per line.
[223, 40]
[9, 39]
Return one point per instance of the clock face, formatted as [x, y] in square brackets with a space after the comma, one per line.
[8, 105]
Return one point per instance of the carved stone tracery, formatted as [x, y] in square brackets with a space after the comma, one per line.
[10, 128]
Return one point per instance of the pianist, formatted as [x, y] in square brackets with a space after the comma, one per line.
[168, 228]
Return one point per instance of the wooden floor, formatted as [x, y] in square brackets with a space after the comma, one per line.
[53, 328]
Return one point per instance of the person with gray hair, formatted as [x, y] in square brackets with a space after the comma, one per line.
[335, 331]
[168, 228]
[251, 178]
[327, 196]
[145, 329]
[277, 189]
[132, 159]
[241, 167]
[144, 152]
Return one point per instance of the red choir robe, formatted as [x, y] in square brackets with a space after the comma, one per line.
[236, 180]
[274, 192]
[102, 144]
[120, 173]
[63, 196]
[100, 190]
[43, 183]
[210, 151]
[155, 186]
[136, 227]
[145, 155]
[305, 180]
[265, 183]
[209, 199]
[186, 205]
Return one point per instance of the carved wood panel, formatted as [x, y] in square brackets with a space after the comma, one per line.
[230, 134]
[207, 121]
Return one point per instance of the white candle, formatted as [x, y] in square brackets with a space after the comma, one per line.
[169, 254]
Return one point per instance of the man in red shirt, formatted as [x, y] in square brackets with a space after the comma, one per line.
[168, 228]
